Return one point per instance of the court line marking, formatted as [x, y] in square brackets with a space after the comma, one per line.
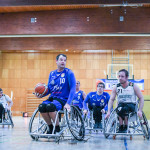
[125, 144]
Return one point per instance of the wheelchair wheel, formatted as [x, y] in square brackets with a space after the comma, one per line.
[110, 124]
[37, 125]
[10, 118]
[144, 125]
[106, 135]
[75, 123]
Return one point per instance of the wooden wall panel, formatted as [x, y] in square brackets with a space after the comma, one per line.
[75, 21]
[144, 64]
[22, 71]
[77, 44]
[64, 2]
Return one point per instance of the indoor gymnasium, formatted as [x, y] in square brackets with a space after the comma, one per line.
[74, 74]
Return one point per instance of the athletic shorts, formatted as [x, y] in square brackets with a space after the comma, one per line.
[57, 102]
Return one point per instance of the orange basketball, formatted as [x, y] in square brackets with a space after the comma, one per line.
[41, 88]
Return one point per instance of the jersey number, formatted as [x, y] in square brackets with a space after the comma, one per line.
[120, 90]
[62, 80]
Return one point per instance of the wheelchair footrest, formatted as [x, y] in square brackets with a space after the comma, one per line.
[123, 133]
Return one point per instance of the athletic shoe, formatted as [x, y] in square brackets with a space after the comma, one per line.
[121, 129]
[96, 125]
[57, 128]
[125, 128]
[50, 129]
[100, 125]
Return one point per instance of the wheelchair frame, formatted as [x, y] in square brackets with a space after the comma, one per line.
[8, 118]
[70, 121]
[136, 126]
[89, 123]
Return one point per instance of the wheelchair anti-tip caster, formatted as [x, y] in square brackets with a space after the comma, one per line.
[36, 138]
[114, 137]
[131, 137]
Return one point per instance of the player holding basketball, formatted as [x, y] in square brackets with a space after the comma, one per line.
[126, 93]
[62, 87]
[97, 102]
[79, 97]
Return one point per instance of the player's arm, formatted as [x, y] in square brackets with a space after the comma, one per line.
[111, 101]
[72, 85]
[49, 81]
[9, 100]
[141, 99]
[84, 95]
[85, 102]
[106, 106]
[40, 95]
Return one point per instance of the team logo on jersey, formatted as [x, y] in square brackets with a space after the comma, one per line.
[93, 95]
[79, 94]
[52, 82]
[62, 75]
[93, 104]
[102, 101]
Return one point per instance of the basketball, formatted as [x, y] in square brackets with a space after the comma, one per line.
[41, 88]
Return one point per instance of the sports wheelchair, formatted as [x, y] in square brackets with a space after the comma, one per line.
[70, 121]
[7, 118]
[136, 125]
[89, 122]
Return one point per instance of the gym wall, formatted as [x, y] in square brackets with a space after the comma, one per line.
[22, 71]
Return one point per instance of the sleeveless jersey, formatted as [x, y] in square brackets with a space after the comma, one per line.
[126, 95]
[78, 99]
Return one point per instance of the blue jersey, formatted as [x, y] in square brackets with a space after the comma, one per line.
[62, 85]
[93, 99]
[78, 99]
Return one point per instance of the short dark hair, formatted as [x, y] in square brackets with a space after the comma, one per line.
[125, 71]
[101, 83]
[57, 57]
[1, 89]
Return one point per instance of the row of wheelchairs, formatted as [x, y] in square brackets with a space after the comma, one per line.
[73, 124]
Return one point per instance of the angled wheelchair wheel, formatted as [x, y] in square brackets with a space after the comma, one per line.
[75, 123]
[37, 125]
[104, 129]
[7, 118]
[110, 124]
[145, 126]
[10, 118]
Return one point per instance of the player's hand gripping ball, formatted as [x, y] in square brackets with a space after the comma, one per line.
[40, 90]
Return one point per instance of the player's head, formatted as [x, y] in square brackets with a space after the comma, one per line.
[77, 85]
[1, 92]
[61, 61]
[100, 87]
[123, 76]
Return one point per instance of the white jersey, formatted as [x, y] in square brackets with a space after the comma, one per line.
[126, 95]
[4, 100]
